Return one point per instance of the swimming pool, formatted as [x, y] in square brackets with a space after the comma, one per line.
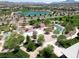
[34, 13]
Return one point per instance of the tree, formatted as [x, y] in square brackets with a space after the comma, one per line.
[13, 26]
[47, 22]
[28, 39]
[78, 34]
[16, 49]
[32, 22]
[40, 39]
[60, 19]
[61, 38]
[47, 53]
[29, 15]
[14, 40]
[48, 30]
[39, 20]
[37, 24]
[50, 15]
[31, 46]
[34, 34]
[69, 27]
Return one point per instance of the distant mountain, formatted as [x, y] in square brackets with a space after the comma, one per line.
[6, 2]
[12, 4]
[69, 1]
[32, 2]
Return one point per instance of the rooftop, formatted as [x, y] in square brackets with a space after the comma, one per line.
[72, 52]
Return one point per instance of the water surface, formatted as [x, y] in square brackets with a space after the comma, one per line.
[35, 13]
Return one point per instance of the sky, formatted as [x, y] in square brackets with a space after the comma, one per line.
[45, 1]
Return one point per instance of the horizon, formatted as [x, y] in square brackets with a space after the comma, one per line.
[37, 1]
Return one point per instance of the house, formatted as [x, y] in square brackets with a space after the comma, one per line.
[72, 52]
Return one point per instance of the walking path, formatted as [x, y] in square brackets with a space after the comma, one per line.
[48, 40]
[75, 35]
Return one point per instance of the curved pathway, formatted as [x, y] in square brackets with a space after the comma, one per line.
[75, 35]
[48, 40]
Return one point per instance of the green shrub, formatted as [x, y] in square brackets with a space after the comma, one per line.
[31, 46]
[47, 53]
[56, 31]
[40, 39]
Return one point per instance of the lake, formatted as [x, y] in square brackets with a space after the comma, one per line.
[34, 13]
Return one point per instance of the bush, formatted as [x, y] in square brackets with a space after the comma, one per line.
[69, 27]
[40, 39]
[78, 34]
[34, 34]
[61, 37]
[47, 53]
[48, 30]
[32, 22]
[28, 39]
[56, 31]
[30, 46]
[47, 22]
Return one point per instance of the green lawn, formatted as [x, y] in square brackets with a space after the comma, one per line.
[74, 20]
[6, 27]
[69, 22]
[13, 40]
[15, 54]
[69, 43]
[24, 10]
